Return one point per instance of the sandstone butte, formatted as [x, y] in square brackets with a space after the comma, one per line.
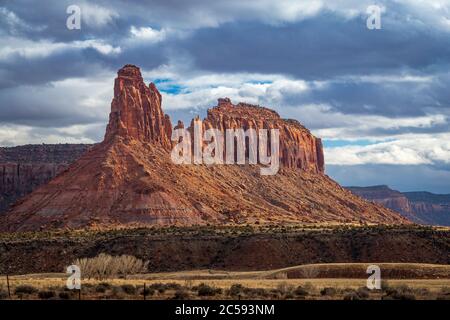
[130, 180]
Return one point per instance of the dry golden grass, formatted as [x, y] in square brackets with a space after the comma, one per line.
[259, 279]
[60, 281]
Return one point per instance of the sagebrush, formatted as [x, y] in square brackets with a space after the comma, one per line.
[105, 266]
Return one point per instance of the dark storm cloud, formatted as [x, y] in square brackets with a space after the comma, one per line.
[74, 62]
[319, 48]
[48, 21]
[59, 111]
[389, 98]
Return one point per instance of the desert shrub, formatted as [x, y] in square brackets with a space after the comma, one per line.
[116, 293]
[275, 294]
[308, 286]
[328, 291]
[205, 290]
[162, 287]
[3, 294]
[64, 295]
[404, 296]
[148, 291]
[128, 288]
[284, 288]
[399, 293]
[351, 296]
[422, 292]
[102, 287]
[105, 266]
[444, 294]
[25, 289]
[173, 286]
[385, 285]
[256, 292]
[181, 294]
[236, 289]
[445, 290]
[363, 292]
[44, 295]
[301, 291]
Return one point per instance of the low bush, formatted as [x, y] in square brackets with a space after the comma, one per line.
[25, 289]
[328, 291]
[162, 287]
[3, 294]
[205, 290]
[363, 292]
[147, 291]
[285, 289]
[64, 295]
[181, 294]
[105, 266]
[301, 291]
[128, 289]
[399, 293]
[236, 290]
[102, 287]
[45, 295]
[351, 296]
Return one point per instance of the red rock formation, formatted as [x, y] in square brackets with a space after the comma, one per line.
[419, 207]
[129, 178]
[24, 168]
[298, 147]
[136, 110]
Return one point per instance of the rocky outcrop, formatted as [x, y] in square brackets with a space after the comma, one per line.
[298, 147]
[24, 168]
[136, 110]
[129, 178]
[419, 207]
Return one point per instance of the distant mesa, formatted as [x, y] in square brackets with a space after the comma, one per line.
[129, 180]
[419, 207]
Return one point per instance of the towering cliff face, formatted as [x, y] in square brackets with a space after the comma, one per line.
[129, 178]
[419, 207]
[298, 147]
[136, 110]
[24, 168]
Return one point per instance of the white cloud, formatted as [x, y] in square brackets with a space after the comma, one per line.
[405, 150]
[349, 126]
[14, 135]
[96, 16]
[148, 34]
[11, 47]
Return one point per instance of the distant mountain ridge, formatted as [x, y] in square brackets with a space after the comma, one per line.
[420, 206]
[24, 168]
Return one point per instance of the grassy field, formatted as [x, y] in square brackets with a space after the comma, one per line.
[299, 282]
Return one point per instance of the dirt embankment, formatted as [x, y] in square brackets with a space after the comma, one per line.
[227, 248]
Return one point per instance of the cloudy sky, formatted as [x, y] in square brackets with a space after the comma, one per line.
[379, 99]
